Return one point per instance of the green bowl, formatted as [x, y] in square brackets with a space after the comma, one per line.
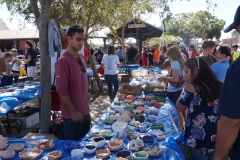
[106, 134]
[140, 155]
[108, 120]
[130, 109]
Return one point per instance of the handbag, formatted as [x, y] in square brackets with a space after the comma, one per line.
[180, 81]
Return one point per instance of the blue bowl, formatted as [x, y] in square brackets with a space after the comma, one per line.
[148, 139]
[124, 154]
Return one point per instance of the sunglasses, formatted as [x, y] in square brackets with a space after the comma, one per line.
[81, 65]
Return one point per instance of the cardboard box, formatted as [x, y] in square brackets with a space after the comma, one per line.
[150, 90]
[125, 78]
[131, 90]
[28, 118]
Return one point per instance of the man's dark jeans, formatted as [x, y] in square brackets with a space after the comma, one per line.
[112, 80]
[76, 131]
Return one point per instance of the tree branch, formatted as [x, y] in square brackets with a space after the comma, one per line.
[35, 10]
[67, 12]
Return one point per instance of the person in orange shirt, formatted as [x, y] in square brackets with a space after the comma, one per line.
[156, 56]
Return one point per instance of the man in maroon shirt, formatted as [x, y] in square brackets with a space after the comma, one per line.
[72, 87]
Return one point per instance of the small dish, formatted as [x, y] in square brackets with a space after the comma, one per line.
[109, 120]
[115, 145]
[160, 137]
[140, 108]
[90, 148]
[32, 153]
[151, 118]
[103, 153]
[55, 155]
[106, 133]
[140, 155]
[7, 154]
[16, 147]
[157, 125]
[45, 145]
[156, 132]
[124, 154]
[77, 153]
[99, 142]
[131, 134]
[148, 139]
[94, 136]
[136, 145]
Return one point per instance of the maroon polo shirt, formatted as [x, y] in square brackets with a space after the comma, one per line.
[72, 81]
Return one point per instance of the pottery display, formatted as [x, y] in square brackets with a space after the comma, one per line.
[119, 128]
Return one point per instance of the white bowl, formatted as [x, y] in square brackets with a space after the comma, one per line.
[151, 117]
[99, 142]
[119, 127]
[156, 132]
[90, 150]
[77, 153]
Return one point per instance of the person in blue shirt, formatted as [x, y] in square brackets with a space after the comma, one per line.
[223, 53]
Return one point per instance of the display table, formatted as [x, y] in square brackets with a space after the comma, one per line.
[10, 100]
[129, 67]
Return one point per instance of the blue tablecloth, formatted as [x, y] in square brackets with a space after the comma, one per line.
[9, 100]
[171, 150]
[129, 67]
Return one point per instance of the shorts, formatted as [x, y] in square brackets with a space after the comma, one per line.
[31, 71]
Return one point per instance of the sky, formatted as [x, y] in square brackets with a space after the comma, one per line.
[225, 10]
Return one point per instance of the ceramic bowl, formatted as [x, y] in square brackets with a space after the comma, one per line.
[146, 123]
[157, 125]
[108, 120]
[106, 133]
[94, 136]
[153, 151]
[103, 153]
[156, 132]
[160, 137]
[141, 155]
[147, 111]
[119, 127]
[99, 142]
[151, 118]
[115, 145]
[131, 134]
[123, 118]
[148, 139]
[139, 117]
[90, 148]
[130, 109]
[124, 154]
[55, 155]
[154, 111]
[140, 108]
[77, 153]
[142, 127]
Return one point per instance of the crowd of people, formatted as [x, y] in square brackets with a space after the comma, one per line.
[204, 87]
[12, 60]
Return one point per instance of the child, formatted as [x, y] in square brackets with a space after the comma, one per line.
[202, 89]
[8, 75]
[16, 64]
[208, 50]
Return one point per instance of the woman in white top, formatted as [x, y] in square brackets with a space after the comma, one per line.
[175, 79]
[110, 62]
[15, 63]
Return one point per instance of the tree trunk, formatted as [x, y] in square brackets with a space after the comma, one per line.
[45, 68]
[95, 73]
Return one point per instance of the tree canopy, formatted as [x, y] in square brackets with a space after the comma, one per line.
[201, 24]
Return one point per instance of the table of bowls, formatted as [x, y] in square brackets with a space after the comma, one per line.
[151, 79]
[12, 96]
[133, 127]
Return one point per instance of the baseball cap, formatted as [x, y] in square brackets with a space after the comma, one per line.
[235, 23]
